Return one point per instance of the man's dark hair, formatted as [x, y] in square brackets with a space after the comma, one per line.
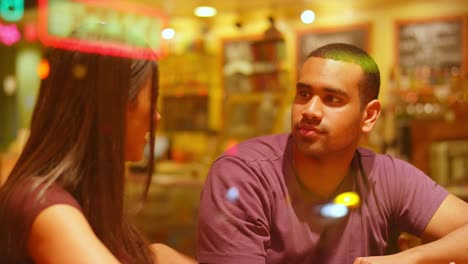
[369, 86]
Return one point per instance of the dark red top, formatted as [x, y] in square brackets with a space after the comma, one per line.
[30, 200]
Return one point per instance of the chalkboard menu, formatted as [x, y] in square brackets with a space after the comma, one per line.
[437, 43]
[309, 40]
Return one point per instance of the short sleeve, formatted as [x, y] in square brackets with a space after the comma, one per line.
[234, 215]
[29, 201]
[22, 202]
[418, 198]
[52, 196]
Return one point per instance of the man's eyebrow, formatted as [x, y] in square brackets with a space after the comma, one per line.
[300, 85]
[339, 92]
[336, 91]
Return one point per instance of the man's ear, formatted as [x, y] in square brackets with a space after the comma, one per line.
[370, 115]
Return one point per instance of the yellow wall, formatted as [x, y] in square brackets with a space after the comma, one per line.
[381, 18]
[213, 30]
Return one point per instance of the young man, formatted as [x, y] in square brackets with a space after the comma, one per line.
[266, 200]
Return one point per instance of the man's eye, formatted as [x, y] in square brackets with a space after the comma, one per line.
[302, 94]
[332, 99]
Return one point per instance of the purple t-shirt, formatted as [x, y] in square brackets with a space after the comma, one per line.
[252, 210]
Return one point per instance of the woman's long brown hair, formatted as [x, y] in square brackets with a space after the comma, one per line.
[77, 140]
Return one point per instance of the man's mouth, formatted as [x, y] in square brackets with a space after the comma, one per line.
[310, 131]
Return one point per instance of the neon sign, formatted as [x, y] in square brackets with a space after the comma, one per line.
[12, 10]
[106, 27]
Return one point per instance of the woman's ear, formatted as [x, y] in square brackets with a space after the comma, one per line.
[370, 115]
[131, 105]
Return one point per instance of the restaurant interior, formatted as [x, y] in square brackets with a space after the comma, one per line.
[228, 74]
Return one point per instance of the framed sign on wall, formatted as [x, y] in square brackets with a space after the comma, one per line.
[437, 43]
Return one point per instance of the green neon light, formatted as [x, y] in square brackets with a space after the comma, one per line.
[12, 10]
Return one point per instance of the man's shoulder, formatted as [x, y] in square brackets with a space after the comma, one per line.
[378, 163]
[370, 156]
[269, 147]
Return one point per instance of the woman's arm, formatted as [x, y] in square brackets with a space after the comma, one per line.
[61, 234]
[167, 255]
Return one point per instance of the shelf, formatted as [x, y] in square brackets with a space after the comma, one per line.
[249, 98]
[255, 87]
[168, 181]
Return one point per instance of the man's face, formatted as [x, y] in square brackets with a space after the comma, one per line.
[326, 114]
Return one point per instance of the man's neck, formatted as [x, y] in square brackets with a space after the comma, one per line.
[321, 176]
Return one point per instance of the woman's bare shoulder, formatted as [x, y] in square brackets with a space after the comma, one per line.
[61, 234]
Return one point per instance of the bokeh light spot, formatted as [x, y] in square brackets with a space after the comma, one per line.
[30, 32]
[332, 210]
[79, 71]
[232, 194]
[43, 69]
[9, 85]
[168, 33]
[349, 199]
[9, 34]
[308, 16]
[231, 147]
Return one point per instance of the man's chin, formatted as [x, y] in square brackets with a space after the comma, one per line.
[312, 152]
[309, 149]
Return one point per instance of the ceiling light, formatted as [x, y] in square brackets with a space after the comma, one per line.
[205, 11]
[168, 33]
[308, 16]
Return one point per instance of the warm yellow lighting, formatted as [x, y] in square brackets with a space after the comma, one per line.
[205, 11]
[308, 16]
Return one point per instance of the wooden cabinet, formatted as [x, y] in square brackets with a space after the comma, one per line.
[255, 85]
[426, 132]
[186, 82]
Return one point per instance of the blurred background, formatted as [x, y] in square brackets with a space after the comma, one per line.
[228, 73]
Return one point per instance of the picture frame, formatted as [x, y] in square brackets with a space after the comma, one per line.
[432, 42]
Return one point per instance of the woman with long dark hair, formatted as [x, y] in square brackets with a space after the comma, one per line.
[63, 200]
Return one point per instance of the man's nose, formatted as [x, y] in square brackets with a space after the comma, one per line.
[313, 108]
